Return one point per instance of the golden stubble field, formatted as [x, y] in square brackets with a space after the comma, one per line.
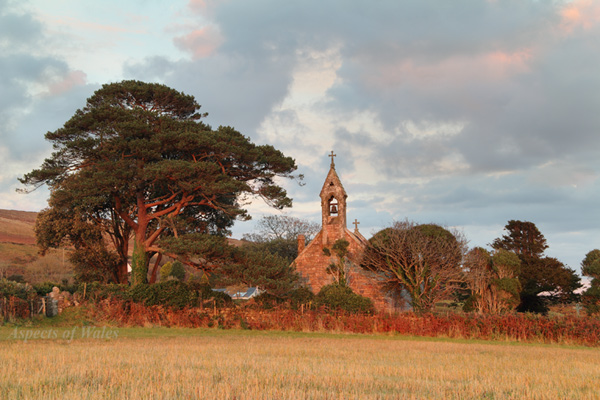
[268, 365]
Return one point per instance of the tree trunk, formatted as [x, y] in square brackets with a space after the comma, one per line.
[122, 273]
[155, 269]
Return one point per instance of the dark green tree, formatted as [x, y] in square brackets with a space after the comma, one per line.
[140, 151]
[423, 260]
[65, 224]
[255, 267]
[522, 238]
[590, 266]
[539, 274]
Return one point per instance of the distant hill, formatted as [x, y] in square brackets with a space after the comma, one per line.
[19, 253]
[17, 227]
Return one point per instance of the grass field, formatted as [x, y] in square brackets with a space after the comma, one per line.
[161, 363]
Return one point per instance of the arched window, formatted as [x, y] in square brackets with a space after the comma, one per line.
[333, 206]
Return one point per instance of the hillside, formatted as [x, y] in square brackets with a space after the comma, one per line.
[17, 227]
[19, 254]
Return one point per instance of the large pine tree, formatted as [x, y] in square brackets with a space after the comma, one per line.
[139, 151]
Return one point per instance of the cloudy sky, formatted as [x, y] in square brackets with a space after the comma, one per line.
[466, 113]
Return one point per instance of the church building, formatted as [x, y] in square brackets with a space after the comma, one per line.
[314, 260]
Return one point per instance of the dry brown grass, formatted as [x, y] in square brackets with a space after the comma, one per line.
[19, 253]
[19, 259]
[17, 227]
[238, 365]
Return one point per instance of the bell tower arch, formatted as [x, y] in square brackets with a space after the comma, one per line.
[333, 206]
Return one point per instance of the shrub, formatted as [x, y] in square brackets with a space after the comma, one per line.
[205, 292]
[16, 278]
[171, 293]
[301, 295]
[267, 300]
[22, 291]
[44, 288]
[172, 269]
[339, 297]
[98, 291]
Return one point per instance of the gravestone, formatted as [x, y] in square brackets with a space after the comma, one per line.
[51, 306]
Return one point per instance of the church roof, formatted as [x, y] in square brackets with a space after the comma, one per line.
[333, 181]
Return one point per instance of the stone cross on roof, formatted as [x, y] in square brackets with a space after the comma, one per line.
[332, 155]
[356, 223]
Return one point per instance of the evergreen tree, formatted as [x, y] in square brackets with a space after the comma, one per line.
[140, 151]
[590, 266]
[539, 274]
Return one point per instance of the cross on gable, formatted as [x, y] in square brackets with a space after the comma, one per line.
[356, 223]
[332, 155]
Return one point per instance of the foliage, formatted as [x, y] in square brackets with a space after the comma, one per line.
[16, 278]
[493, 280]
[523, 238]
[341, 297]
[284, 248]
[65, 223]
[424, 260]
[137, 157]
[278, 234]
[539, 274]
[301, 296]
[95, 263]
[20, 290]
[338, 266]
[42, 289]
[514, 327]
[171, 293]
[172, 269]
[254, 267]
[15, 298]
[590, 266]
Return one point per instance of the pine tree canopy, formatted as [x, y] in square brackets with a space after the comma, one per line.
[140, 151]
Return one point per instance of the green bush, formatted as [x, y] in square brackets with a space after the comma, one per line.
[301, 295]
[339, 297]
[44, 288]
[10, 288]
[171, 293]
[172, 269]
[205, 292]
[16, 278]
[98, 291]
[591, 300]
[267, 300]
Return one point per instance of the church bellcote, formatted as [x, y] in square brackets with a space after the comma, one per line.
[333, 205]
